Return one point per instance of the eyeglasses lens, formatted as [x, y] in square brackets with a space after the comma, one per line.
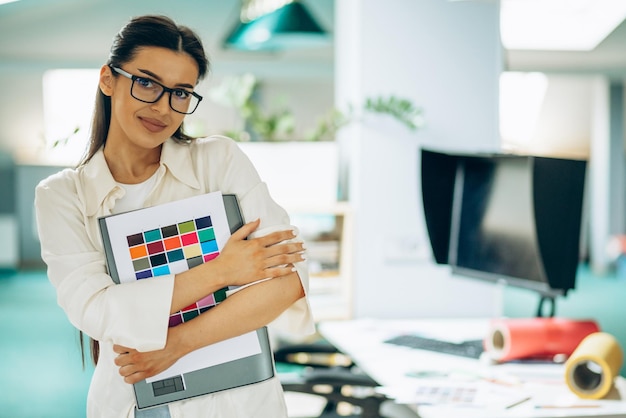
[148, 91]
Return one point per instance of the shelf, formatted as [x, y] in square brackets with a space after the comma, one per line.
[327, 231]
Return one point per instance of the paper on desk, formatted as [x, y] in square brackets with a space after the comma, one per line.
[446, 392]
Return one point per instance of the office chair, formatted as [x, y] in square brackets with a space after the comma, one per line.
[321, 370]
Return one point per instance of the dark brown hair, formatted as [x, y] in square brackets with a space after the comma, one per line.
[142, 31]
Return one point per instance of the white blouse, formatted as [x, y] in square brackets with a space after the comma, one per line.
[68, 205]
[134, 195]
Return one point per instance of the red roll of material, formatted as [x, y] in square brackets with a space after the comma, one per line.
[519, 338]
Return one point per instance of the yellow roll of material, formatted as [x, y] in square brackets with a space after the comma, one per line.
[591, 369]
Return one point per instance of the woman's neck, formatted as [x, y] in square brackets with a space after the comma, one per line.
[132, 166]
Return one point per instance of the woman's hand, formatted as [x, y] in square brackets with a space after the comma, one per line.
[135, 366]
[245, 261]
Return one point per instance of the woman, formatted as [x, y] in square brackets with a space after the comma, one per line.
[139, 157]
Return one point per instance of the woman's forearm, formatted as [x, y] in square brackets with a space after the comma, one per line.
[242, 261]
[244, 311]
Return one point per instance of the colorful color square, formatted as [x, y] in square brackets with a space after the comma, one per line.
[172, 243]
[141, 264]
[152, 235]
[176, 319]
[188, 316]
[158, 260]
[185, 227]
[220, 295]
[135, 239]
[169, 231]
[143, 274]
[138, 251]
[209, 247]
[210, 257]
[205, 235]
[192, 251]
[161, 271]
[194, 261]
[191, 307]
[189, 239]
[175, 255]
[206, 301]
[204, 222]
[155, 247]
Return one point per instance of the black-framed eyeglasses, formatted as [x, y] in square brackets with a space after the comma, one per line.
[147, 90]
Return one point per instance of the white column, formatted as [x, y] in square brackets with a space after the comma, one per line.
[445, 57]
[599, 176]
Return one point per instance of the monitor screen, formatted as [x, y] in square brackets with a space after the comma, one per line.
[493, 231]
[509, 218]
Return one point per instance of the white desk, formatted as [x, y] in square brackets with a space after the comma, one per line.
[543, 384]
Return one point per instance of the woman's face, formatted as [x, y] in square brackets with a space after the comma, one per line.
[147, 125]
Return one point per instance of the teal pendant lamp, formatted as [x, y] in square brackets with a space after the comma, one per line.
[288, 27]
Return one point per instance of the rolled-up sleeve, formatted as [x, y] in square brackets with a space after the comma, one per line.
[297, 319]
[133, 314]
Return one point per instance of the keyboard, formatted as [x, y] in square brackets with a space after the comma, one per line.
[469, 348]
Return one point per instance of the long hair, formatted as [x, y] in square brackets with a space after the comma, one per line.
[142, 31]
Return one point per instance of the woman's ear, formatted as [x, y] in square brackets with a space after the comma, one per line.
[106, 80]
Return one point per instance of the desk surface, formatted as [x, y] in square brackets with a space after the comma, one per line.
[529, 390]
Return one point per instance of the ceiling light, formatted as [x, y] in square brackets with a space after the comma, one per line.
[565, 25]
[289, 26]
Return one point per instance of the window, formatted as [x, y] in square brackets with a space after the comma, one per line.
[68, 100]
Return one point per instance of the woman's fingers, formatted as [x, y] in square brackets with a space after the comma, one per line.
[124, 357]
[277, 237]
[126, 366]
[286, 248]
[120, 349]
[135, 366]
[255, 258]
[246, 230]
[280, 271]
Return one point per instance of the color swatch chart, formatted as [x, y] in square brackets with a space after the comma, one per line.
[173, 249]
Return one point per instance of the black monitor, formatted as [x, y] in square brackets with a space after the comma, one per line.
[506, 218]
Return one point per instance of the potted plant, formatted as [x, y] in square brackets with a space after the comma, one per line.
[241, 94]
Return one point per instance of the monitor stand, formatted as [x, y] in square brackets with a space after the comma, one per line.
[543, 300]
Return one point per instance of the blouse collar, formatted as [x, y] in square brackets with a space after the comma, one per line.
[99, 183]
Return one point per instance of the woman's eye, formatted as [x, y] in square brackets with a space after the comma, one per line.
[181, 94]
[144, 82]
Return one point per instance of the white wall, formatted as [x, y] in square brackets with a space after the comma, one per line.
[445, 56]
[21, 110]
[547, 114]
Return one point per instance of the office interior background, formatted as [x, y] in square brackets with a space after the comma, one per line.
[450, 58]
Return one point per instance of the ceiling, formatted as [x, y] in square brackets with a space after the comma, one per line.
[78, 33]
[609, 58]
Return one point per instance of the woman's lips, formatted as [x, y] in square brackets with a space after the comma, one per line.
[153, 125]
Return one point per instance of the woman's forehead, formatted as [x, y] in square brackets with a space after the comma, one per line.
[172, 67]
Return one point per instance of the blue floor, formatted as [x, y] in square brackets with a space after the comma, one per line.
[40, 360]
